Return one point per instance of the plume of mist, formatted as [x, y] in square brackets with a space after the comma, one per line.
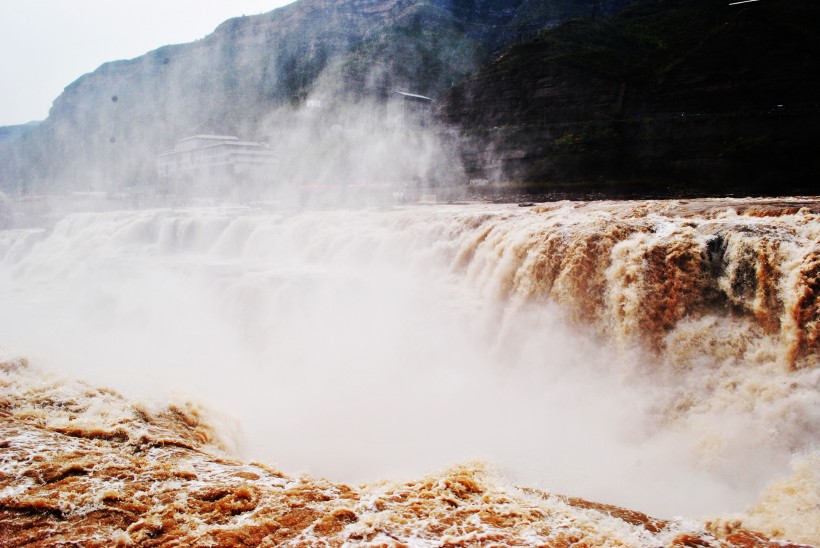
[346, 345]
[258, 78]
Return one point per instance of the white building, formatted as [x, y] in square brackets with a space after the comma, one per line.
[216, 157]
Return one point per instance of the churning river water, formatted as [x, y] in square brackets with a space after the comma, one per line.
[661, 356]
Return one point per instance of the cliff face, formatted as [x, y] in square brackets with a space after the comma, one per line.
[107, 127]
[666, 90]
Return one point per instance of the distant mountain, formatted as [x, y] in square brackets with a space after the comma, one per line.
[697, 94]
[7, 133]
[106, 128]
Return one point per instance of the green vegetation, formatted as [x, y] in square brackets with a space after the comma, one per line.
[669, 90]
[586, 141]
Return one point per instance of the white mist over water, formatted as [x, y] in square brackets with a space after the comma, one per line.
[349, 344]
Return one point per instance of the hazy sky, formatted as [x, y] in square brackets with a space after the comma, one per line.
[47, 44]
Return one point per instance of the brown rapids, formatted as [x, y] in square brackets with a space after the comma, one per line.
[637, 269]
[84, 467]
[726, 293]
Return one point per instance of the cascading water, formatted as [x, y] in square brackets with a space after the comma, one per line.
[657, 355]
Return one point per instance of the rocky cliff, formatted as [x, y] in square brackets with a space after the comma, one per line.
[107, 127]
[687, 93]
[699, 96]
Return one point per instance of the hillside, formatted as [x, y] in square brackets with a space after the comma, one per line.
[658, 97]
[107, 127]
[690, 94]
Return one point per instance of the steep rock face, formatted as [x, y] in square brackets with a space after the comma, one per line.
[664, 90]
[108, 125]
[105, 130]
